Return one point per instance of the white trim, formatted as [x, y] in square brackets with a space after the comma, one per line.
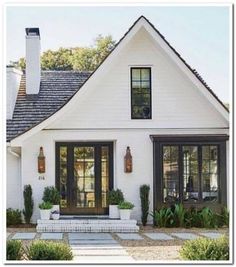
[104, 67]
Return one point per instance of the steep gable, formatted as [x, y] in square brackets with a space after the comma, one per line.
[105, 97]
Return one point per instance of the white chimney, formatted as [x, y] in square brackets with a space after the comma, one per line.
[33, 68]
[13, 84]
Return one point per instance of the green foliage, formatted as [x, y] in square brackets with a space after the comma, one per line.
[224, 217]
[13, 217]
[208, 218]
[125, 205]
[144, 196]
[163, 217]
[206, 249]
[52, 195]
[28, 203]
[115, 197]
[78, 58]
[179, 215]
[45, 206]
[14, 250]
[48, 250]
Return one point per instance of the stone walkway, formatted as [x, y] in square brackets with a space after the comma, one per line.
[102, 247]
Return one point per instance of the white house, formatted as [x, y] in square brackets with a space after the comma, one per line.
[143, 96]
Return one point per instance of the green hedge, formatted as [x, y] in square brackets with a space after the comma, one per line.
[206, 249]
[13, 217]
[14, 250]
[48, 250]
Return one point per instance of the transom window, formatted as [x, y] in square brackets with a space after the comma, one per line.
[141, 93]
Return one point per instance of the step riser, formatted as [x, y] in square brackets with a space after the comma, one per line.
[41, 229]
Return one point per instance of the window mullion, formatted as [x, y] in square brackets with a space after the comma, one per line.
[200, 172]
[181, 175]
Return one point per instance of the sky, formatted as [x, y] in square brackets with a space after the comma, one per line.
[201, 34]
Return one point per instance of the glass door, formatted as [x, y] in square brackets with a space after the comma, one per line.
[84, 177]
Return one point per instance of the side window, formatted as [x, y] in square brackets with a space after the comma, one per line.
[141, 93]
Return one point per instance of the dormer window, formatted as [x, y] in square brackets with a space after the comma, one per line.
[141, 93]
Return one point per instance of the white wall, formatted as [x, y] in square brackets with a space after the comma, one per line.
[13, 84]
[176, 102]
[14, 192]
[138, 140]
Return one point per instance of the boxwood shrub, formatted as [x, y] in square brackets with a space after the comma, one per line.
[48, 250]
[13, 217]
[14, 250]
[205, 249]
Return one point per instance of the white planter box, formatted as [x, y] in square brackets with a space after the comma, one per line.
[125, 214]
[45, 214]
[114, 212]
[55, 216]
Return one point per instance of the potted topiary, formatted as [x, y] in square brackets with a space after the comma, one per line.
[45, 210]
[52, 195]
[114, 198]
[125, 208]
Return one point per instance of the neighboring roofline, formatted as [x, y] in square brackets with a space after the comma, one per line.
[112, 51]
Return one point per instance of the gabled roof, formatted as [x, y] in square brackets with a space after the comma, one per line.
[14, 129]
[56, 88]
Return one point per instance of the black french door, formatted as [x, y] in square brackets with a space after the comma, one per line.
[84, 175]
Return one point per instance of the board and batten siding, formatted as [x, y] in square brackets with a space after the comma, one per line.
[176, 102]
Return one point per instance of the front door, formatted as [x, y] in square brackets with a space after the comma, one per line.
[84, 175]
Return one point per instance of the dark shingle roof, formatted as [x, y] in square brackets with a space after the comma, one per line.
[56, 88]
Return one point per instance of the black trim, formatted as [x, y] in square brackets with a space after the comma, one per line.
[150, 93]
[199, 141]
[71, 205]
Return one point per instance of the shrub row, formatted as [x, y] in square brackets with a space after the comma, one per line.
[13, 217]
[178, 216]
[205, 249]
[38, 250]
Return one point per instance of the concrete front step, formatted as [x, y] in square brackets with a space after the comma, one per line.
[87, 226]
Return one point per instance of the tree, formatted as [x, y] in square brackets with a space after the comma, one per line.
[28, 203]
[77, 58]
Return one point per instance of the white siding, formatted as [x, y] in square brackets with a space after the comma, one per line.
[141, 149]
[176, 102]
[14, 190]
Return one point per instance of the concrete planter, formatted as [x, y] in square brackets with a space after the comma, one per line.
[114, 212]
[45, 214]
[125, 214]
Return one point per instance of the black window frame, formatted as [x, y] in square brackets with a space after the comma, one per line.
[131, 103]
[160, 141]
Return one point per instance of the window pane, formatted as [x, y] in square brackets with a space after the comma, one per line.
[140, 112]
[141, 99]
[141, 94]
[170, 174]
[136, 75]
[145, 74]
[210, 173]
[190, 173]
[63, 176]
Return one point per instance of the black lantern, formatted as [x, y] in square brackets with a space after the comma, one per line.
[128, 160]
[41, 161]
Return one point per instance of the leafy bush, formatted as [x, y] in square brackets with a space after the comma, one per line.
[224, 217]
[48, 250]
[144, 196]
[13, 217]
[28, 202]
[14, 250]
[115, 197]
[45, 206]
[179, 215]
[208, 218]
[125, 205]
[206, 249]
[52, 195]
[163, 217]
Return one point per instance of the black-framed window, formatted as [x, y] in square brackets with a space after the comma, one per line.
[189, 170]
[141, 93]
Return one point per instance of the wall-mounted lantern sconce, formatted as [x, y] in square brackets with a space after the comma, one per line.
[41, 161]
[128, 160]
